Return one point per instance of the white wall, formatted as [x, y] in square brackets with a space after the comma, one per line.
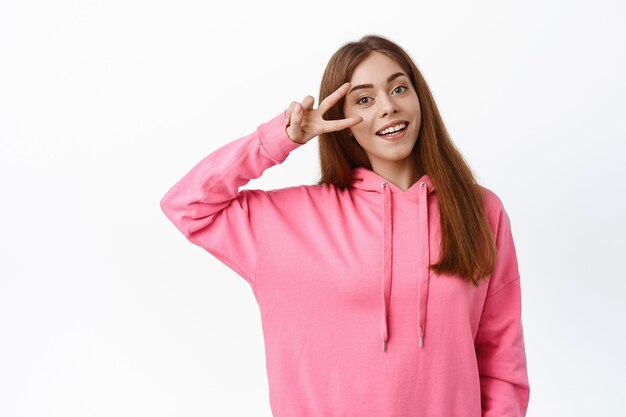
[106, 309]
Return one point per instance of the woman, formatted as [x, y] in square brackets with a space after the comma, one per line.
[391, 286]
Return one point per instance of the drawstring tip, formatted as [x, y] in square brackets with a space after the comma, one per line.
[421, 341]
[384, 346]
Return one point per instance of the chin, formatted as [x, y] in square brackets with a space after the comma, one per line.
[396, 157]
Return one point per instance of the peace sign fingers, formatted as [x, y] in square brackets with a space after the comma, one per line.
[336, 125]
[333, 98]
[303, 122]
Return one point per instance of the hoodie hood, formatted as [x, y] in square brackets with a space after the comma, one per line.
[368, 180]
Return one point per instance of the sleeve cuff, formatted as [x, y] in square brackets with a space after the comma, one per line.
[274, 138]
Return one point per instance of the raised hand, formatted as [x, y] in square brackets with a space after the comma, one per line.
[304, 122]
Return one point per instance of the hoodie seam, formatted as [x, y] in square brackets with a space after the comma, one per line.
[258, 257]
[234, 164]
[221, 255]
[498, 291]
[260, 134]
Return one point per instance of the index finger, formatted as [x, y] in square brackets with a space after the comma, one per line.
[333, 98]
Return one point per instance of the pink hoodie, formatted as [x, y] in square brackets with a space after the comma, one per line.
[354, 322]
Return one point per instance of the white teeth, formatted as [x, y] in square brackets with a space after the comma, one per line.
[392, 129]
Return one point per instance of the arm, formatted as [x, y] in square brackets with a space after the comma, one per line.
[210, 211]
[206, 204]
[499, 341]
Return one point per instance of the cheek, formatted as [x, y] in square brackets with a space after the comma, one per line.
[364, 129]
[418, 108]
[367, 124]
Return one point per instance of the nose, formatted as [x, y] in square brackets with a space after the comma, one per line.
[387, 106]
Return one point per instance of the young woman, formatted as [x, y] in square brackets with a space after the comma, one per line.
[390, 287]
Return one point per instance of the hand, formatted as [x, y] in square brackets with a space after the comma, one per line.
[304, 122]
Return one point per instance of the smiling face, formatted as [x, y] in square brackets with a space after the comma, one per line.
[382, 94]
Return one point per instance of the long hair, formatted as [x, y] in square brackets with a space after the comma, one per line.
[467, 242]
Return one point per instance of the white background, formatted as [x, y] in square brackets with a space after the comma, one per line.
[106, 309]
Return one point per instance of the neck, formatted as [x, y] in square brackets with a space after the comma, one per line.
[402, 173]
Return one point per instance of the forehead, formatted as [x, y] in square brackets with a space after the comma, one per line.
[374, 69]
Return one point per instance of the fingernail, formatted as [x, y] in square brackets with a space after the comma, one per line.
[296, 108]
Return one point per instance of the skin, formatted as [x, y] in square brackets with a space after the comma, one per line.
[367, 111]
[304, 122]
[378, 106]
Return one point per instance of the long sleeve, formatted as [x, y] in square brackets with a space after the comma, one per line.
[499, 342]
[208, 208]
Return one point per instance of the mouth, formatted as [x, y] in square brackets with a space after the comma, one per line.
[394, 134]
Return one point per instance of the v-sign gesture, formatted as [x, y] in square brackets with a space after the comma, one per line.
[304, 122]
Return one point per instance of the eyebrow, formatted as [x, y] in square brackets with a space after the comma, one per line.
[364, 86]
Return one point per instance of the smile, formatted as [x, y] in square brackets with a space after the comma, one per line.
[395, 135]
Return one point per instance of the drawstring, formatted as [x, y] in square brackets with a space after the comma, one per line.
[387, 258]
[424, 260]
